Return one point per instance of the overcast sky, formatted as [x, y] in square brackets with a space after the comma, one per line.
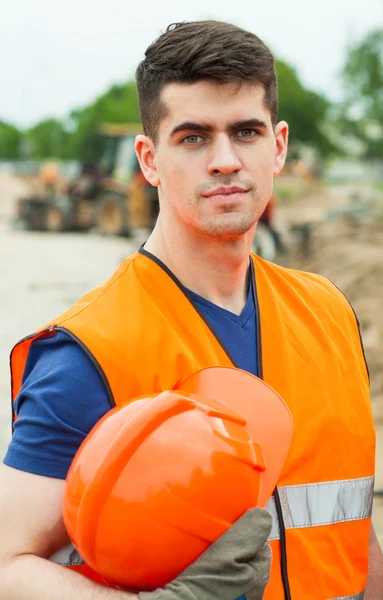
[58, 55]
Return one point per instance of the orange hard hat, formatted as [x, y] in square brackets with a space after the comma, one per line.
[159, 479]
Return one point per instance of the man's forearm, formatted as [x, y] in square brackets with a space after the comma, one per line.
[374, 588]
[29, 577]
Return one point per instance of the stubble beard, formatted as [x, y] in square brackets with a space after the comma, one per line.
[227, 225]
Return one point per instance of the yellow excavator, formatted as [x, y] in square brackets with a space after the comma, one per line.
[110, 196]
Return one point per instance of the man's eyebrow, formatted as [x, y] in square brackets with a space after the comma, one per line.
[206, 127]
[191, 126]
[247, 124]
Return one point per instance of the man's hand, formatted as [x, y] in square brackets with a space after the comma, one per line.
[237, 564]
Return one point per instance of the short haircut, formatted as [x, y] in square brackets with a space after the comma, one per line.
[203, 50]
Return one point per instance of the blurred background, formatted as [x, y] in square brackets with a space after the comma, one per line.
[73, 202]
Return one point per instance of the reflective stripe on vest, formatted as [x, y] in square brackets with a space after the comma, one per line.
[326, 503]
[354, 597]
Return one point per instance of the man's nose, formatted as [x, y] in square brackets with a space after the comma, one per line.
[223, 158]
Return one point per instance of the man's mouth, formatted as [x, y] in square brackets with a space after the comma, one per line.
[230, 190]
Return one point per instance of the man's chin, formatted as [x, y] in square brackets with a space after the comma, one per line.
[227, 226]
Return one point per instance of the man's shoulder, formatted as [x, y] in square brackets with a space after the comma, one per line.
[101, 294]
[272, 269]
[317, 288]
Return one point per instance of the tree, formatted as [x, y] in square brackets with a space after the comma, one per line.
[10, 139]
[118, 105]
[363, 109]
[48, 139]
[304, 110]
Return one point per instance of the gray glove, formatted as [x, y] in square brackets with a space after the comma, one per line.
[237, 565]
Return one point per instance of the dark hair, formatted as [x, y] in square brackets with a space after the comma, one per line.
[191, 51]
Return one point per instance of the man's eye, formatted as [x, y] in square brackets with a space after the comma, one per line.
[192, 139]
[247, 133]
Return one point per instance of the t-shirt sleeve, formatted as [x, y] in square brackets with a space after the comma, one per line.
[61, 399]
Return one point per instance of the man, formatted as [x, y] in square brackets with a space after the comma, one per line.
[192, 298]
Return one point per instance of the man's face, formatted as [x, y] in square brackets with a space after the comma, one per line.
[216, 156]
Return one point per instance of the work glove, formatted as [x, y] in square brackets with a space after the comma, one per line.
[235, 567]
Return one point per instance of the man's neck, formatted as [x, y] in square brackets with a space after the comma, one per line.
[218, 270]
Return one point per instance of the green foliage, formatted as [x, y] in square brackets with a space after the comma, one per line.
[363, 72]
[363, 109]
[10, 140]
[304, 110]
[118, 105]
[47, 139]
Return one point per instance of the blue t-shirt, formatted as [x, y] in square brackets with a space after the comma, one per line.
[63, 395]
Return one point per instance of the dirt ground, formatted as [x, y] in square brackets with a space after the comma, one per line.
[42, 274]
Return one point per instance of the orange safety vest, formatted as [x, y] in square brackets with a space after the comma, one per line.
[144, 336]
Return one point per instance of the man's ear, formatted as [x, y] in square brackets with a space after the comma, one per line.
[145, 151]
[281, 138]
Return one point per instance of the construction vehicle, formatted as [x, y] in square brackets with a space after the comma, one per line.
[111, 196]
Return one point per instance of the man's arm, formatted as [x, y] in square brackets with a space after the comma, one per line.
[32, 529]
[374, 588]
